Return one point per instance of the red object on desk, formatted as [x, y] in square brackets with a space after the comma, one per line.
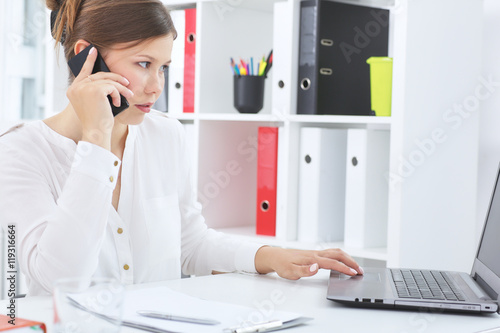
[267, 174]
[19, 323]
[189, 59]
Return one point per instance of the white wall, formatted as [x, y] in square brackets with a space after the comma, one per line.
[489, 125]
[21, 23]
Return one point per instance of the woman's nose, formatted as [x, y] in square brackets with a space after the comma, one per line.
[155, 84]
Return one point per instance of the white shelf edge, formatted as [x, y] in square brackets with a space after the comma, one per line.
[238, 117]
[182, 116]
[384, 122]
[248, 233]
[261, 5]
[368, 120]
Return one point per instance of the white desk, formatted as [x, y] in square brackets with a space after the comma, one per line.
[305, 296]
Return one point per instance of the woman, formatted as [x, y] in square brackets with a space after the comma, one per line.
[97, 195]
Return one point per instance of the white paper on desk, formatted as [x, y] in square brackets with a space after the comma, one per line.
[163, 299]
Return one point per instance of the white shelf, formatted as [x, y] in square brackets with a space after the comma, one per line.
[228, 6]
[248, 233]
[182, 116]
[239, 117]
[352, 121]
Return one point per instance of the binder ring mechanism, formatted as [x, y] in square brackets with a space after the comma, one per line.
[264, 206]
[325, 71]
[326, 42]
[305, 84]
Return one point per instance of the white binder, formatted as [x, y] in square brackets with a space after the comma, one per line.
[322, 171]
[282, 61]
[367, 188]
[176, 68]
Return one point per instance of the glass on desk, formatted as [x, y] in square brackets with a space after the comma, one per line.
[84, 305]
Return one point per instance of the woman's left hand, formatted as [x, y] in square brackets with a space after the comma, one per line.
[294, 264]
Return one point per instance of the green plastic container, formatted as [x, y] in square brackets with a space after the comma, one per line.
[381, 85]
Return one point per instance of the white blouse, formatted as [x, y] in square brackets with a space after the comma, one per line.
[58, 194]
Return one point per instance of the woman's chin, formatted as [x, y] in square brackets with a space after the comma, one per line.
[129, 117]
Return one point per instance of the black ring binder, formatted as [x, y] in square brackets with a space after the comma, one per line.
[338, 37]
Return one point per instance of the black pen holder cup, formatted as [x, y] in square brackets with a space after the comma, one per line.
[248, 93]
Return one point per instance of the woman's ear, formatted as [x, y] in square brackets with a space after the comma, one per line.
[80, 45]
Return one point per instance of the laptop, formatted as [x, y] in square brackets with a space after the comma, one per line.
[431, 289]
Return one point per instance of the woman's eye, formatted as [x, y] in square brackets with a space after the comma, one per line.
[163, 68]
[144, 64]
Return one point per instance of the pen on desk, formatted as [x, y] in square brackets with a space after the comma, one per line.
[166, 316]
[259, 327]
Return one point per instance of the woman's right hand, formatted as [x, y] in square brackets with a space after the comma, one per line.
[88, 96]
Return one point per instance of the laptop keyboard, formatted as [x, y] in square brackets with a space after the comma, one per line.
[423, 284]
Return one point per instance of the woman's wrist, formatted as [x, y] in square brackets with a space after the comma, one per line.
[264, 259]
[98, 138]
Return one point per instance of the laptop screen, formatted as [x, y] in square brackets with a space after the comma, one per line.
[489, 250]
[486, 268]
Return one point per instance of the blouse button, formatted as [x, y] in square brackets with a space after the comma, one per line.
[111, 179]
[116, 163]
[126, 267]
[120, 230]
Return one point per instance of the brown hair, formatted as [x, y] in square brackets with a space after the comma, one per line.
[108, 22]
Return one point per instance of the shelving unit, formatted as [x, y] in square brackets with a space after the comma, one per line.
[431, 203]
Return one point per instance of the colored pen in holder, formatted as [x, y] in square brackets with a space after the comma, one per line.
[248, 87]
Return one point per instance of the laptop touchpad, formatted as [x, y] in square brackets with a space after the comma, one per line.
[368, 277]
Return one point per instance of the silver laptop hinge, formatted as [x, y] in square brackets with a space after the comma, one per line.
[475, 288]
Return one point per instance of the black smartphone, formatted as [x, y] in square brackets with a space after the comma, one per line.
[76, 64]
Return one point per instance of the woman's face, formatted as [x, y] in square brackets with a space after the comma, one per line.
[144, 66]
